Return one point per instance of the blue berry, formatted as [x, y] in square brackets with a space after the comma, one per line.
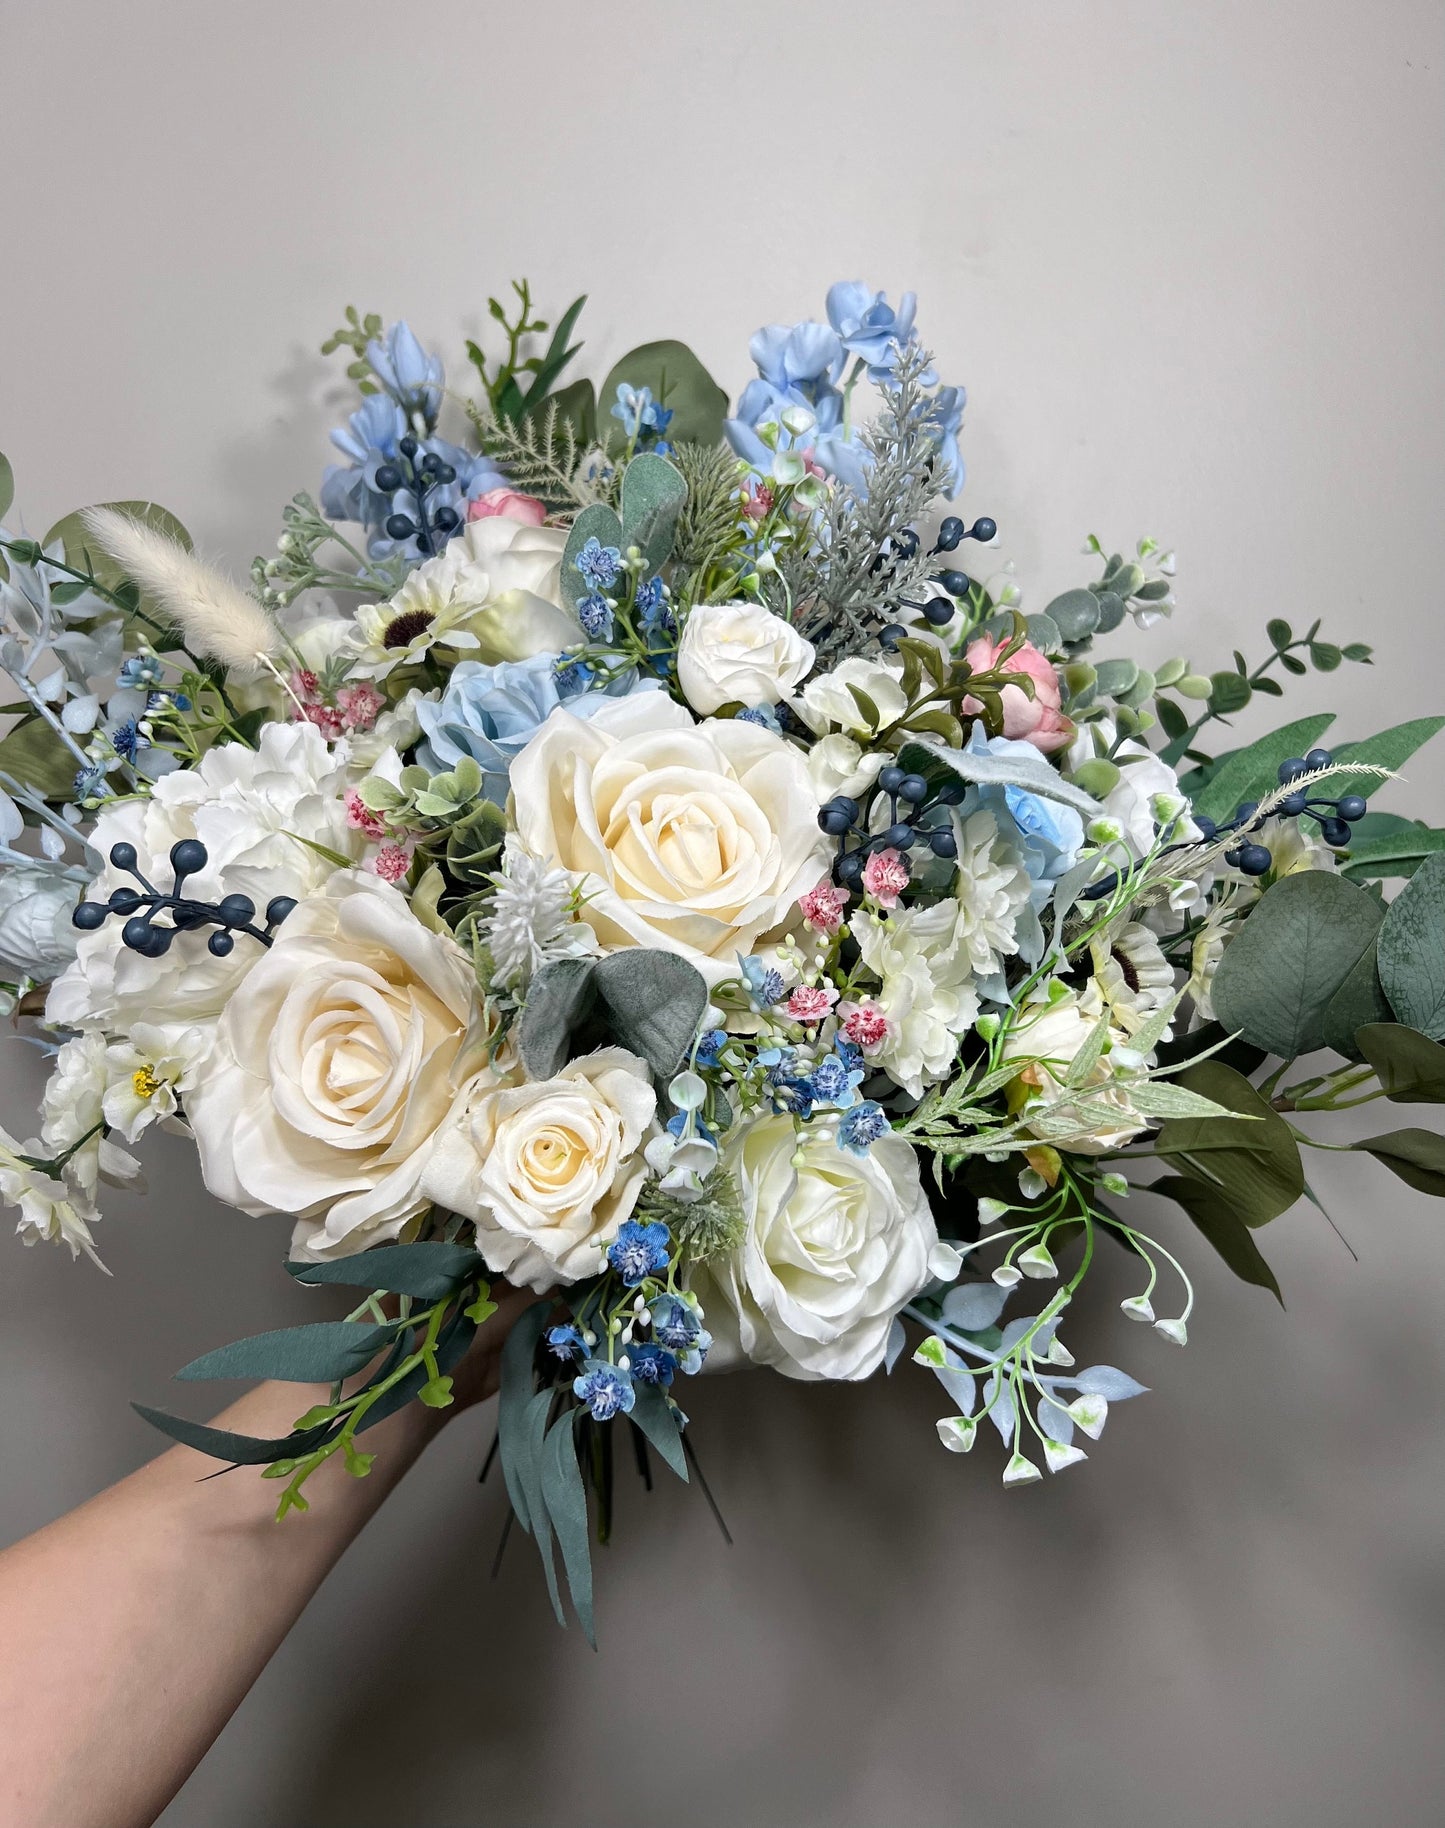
[90, 915]
[389, 478]
[1206, 825]
[891, 778]
[834, 821]
[950, 532]
[983, 530]
[399, 527]
[890, 636]
[913, 788]
[900, 837]
[1335, 832]
[943, 843]
[221, 943]
[1292, 769]
[1254, 859]
[956, 583]
[938, 611]
[1318, 758]
[187, 857]
[236, 910]
[123, 856]
[1352, 807]
[1293, 804]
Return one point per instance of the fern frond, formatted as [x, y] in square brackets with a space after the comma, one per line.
[708, 529]
[541, 453]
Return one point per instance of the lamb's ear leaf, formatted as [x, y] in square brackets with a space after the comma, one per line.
[598, 522]
[1032, 773]
[566, 1500]
[318, 1353]
[236, 1449]
[428, 1271]
[655, 1417]
[558, 999]
[655, 1001]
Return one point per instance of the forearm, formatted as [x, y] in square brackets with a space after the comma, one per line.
[133, 1626]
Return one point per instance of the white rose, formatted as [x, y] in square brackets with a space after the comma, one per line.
[37, 938]
[333, 1068]
[547, 1171]
[495, 591]
[739, 653]
[835, 1244]
[697, 839]
[252, 809]
[827, 700]
[1093, 1118]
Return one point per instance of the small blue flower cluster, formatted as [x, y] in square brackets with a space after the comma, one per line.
[800, 1085]
[643, 419]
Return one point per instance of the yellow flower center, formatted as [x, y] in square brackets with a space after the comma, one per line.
[145, 1082]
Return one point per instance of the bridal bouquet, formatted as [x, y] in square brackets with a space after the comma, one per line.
[645, 852]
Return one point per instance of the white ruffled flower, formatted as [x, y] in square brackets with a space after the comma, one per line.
[147, 1074]
[72, 1113]
[254, 810]
[834, 1245]
[1093, 1118]
[51, 1211]
[828, 703]
[739, 653]
[1143, 779]
[37, 939]
[532, 918]
[494, 592]
[546, 1171]
[839, 765]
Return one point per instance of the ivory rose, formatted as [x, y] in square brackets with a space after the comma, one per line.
[1038, 720]
[835, 1244]
[697, 839]
[547, 1171]
[739, 653]
[334, 1068]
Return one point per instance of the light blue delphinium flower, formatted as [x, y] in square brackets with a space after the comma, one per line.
[764, 984]
[945, 421]
[413, 377]
[863, 1126]
[868, 326]
[639, 1250]
[651, 1364]
[491, 713]
[642, 417]
[566, 1343]
[798, 366]
[605, 1389]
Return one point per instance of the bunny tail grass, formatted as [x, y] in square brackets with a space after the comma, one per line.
[215, 617]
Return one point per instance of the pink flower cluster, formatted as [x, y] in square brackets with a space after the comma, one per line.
[811, 1002]
[823, 906]
[356, 707]
[885, 877]
[864, 1024]
[360, 817]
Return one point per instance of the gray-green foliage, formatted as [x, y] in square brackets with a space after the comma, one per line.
[703, 1228]
[1296, 950]
[647, 1001]
[541, 453]
[652, 497]
[1412, 950]
[707, 527]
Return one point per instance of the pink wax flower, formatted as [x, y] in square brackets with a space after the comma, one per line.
[359, 705]
[885, 877]
[823, 906]
[864, 1024]
[811, 1002]
[1038, 720]
[360, 817]
[509, 504]
[326, 718]
[391, 862]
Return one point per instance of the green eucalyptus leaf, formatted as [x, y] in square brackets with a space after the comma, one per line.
[7, 485]
[1216, 1218]
[654, 1416]
[237, 1449]
[1075, 614]
[1357, 1002]
[1115, 677]
[577, 406]
[318, 1353]
[1409, 1065]
[1249, 774]
[1045, 633]
[653, 494]
[33, 753]
[1229, 692]
[1294, 952]
[1416, 1156]
[1412, 950]
[1255, 1167]
[428, 1271]
[678, 381]
[517, 1383]
[1392, 853]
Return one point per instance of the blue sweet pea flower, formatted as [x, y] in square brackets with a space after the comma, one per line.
[605, 1389]
[798, 366]
[674, 1323]
[639, 1250]
[764, 984]
[651, 1364]
[868, 326]
[598, 564]
[566, 1343]
[412, 377]
[866, 1124]
[945, 420]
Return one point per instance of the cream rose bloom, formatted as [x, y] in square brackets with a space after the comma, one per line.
[495, 592]
[334, 1067]
[1094, 1118]
[547, 1171]
[835, 1244]
[739, 653]
[697, 839]
[253, 809]
[827, 703]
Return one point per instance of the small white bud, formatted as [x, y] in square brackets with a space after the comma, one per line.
[1138, 1307]
[1174, 1331]
[624, 1363]
[1006, 1276]
[944, 1262]
[1057, 1456]
[957, 1432]
[1037, 1263]
[1032, 1185]
[1089, 1413]
[990, 1211]
[589, 1338]
[1020, 1471]
[1105, 830]
[1058, 1353]
[688, 1092]
[1115, 1184]
[797, 420]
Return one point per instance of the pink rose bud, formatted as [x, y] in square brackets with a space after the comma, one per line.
[509, 504]
[885, 877]
[1038, 720]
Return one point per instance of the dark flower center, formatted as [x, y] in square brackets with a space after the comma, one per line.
[402, 630]
[1126, 965]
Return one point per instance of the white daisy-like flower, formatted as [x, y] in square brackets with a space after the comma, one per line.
[147, 1074]
[1133, 974]
[51, 1210]
[532, 918]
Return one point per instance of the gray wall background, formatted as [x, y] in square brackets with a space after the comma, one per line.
[1189, 261]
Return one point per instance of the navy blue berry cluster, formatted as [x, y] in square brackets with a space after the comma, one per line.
[910, 798]
[141, 932]
[939, 611]
[1334, 817]
[419, 478]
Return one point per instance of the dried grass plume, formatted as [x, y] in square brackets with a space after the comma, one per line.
[217, 619]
